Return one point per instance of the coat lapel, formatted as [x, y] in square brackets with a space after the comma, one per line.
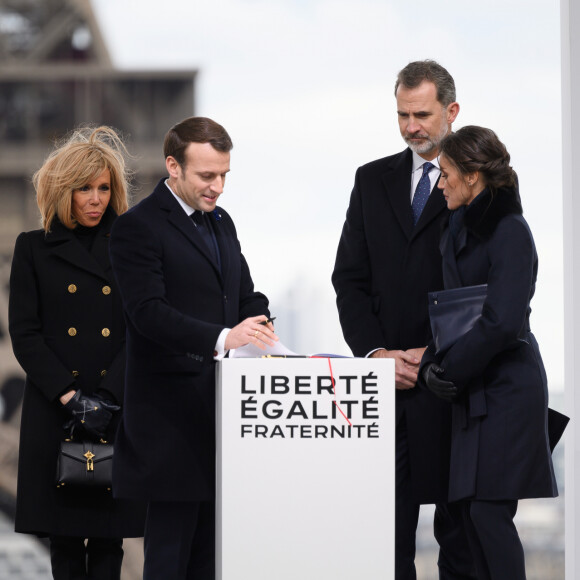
[451, 276]
[397, 182]
[222, 240]
[100, 250]
[63, 245]
[434, 206]
[180, 220]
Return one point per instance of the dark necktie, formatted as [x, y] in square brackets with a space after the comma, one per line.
[422, 192]
[204, 228]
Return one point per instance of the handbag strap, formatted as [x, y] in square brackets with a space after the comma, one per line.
[71, 437]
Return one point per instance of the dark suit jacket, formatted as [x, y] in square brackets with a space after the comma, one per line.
[384, 268]
[176, 302]
[500, 447]
[62, 298]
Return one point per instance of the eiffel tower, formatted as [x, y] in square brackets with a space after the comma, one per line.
[56, 73]
[34, 32]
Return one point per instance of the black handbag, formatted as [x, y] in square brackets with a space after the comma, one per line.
[453, 312]
[84, 464]
[556, 425]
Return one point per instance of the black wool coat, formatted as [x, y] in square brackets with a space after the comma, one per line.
[67, 330]
[384, 268]
[177, 301]
[500, 446]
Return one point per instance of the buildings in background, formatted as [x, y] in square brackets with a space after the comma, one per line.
[56, 73]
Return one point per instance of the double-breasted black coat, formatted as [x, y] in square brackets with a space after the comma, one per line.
[500, 448]
[177, 301]
[67, 329]
[384, 268]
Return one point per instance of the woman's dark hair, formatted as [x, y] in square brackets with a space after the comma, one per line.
[473, 148]
[195, 130]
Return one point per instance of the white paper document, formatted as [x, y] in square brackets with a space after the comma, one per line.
[252, 351]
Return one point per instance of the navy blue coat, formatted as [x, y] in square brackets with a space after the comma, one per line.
[384, 268]
[176, 301]
[500, 444]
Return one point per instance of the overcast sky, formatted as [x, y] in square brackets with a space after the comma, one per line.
[305, 89]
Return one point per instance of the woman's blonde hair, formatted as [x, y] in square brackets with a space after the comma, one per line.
[81, 157]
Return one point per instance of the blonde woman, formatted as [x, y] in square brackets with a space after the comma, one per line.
[68, 334]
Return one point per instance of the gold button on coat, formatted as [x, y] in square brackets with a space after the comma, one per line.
[105, 332]
[72, 331]
[72, 288]
[75, 373]
[103, 373]
[106, 290]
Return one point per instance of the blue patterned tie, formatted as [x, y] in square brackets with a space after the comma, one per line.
[422, 192]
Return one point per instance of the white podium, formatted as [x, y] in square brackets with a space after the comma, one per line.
[305, 469]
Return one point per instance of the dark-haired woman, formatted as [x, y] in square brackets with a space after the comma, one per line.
[493, 374]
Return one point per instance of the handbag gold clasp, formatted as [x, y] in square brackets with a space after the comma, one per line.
[89, 457]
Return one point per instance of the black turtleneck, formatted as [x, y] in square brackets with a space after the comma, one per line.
[86, 235]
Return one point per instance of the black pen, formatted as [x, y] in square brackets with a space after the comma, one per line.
[268, 321]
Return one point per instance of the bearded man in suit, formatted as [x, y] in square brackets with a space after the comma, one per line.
[388, 259]
[188, 298]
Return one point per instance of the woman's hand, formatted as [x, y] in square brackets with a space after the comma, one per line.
[439, 387]
[90, 413]
[67, 397]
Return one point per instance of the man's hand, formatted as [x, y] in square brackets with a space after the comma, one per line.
[251, 331]
[406, 365]
[417, 352]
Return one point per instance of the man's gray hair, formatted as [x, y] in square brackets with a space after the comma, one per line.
[428, 70]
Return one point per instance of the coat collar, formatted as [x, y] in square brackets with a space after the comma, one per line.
[486, 211]
[480, 218]
[60, 233]
[397, 181]
[180, 220]
[63, 244]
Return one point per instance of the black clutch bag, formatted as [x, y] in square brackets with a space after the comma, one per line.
[453, 312]
[556, 426]
[84, 464]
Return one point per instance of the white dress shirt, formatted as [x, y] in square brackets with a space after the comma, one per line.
[417, 172]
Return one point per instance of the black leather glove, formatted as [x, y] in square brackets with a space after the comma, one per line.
[440, 388]
[91, 413]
